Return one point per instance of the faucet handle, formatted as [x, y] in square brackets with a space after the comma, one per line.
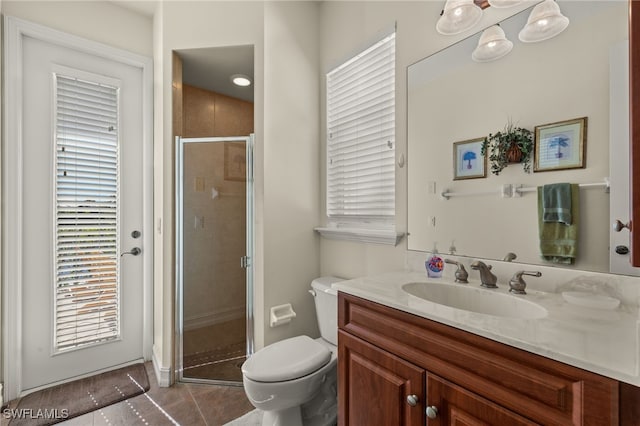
[509, 257]
[517, 284]
[461, 274]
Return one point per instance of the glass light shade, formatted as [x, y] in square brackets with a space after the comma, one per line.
[498, 4]
[493, 44]
[241, 80]
[458, 16]
[545, 21]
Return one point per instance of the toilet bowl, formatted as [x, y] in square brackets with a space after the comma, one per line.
[294, 380]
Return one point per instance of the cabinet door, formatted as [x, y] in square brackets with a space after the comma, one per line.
[457, 406]
[374, 386]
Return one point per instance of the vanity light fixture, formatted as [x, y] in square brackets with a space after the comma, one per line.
[241, 80]
[493, 44]
[458, 16]
[545, 21]
[501, 4]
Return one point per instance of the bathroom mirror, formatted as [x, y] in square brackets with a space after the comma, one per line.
[451, 99]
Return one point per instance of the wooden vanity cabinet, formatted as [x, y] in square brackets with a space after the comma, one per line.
[458, 406]
[376, 384]
[386, 355]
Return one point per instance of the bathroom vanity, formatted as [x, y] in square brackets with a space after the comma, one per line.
[401, 368]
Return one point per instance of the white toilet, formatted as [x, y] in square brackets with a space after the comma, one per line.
[294, 380]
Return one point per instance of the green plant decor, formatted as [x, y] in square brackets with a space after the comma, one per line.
[511, 145]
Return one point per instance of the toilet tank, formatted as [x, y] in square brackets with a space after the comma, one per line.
[326, 300]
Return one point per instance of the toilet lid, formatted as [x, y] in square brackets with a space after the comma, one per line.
[286, 360]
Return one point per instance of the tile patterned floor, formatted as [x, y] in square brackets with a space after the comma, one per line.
[215, 351]
[183, 404]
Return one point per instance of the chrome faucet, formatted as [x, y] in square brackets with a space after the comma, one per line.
[461, 274]
[517, 284]
[487, 279]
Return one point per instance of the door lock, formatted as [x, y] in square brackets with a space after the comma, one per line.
[622, 250]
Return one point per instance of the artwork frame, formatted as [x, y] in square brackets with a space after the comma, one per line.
[561, 145]
[465, 154]
[235, 165]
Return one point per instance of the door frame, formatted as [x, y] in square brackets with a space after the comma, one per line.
[179, 253]
[15, 30]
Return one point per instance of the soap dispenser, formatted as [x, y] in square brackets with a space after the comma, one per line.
[434, 264]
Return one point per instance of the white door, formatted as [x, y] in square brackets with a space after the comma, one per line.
[82, 299]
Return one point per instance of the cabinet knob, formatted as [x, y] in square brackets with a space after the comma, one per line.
[432, 412]
[412, 400]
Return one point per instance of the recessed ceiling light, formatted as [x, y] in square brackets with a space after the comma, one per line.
[241, 80]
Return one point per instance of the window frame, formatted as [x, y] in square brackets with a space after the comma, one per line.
[376, 228]
[65, 73]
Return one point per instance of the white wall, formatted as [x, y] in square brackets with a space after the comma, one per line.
[291, 164]
[284, 35]
[184, 25]
[100, 21]
[162, 296]
[347, 28]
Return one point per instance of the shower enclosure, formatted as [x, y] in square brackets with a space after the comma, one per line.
[214, 235]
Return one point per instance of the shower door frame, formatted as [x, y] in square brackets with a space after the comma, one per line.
[247, 262]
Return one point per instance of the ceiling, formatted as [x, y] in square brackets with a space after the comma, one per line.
[211, 68]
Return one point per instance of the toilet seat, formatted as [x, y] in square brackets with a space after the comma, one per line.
[287, 359]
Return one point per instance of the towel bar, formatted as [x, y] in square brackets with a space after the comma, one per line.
[511, 190]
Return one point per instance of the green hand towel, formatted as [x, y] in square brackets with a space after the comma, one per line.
[556, 203]
[559, 242]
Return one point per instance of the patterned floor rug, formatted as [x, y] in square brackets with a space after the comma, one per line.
[62, 402]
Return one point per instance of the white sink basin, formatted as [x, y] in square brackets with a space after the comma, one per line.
[487, 302]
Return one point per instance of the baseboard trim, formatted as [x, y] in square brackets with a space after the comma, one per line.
[163, 374]
[212, 318]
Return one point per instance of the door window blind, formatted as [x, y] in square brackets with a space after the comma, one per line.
[361, 135]
[86, 296]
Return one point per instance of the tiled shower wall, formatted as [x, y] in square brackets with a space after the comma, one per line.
[214, 208]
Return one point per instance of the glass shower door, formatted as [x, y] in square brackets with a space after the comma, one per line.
[214, 252]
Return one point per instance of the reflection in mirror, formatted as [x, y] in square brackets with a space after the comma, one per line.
[451, 98]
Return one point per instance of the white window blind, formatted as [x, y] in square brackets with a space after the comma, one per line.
[86, 295]
[361, 135]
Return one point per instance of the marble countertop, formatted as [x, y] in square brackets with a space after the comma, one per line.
[606, 342]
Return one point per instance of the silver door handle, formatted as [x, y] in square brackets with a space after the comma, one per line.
[619, 226]
[134, 252]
